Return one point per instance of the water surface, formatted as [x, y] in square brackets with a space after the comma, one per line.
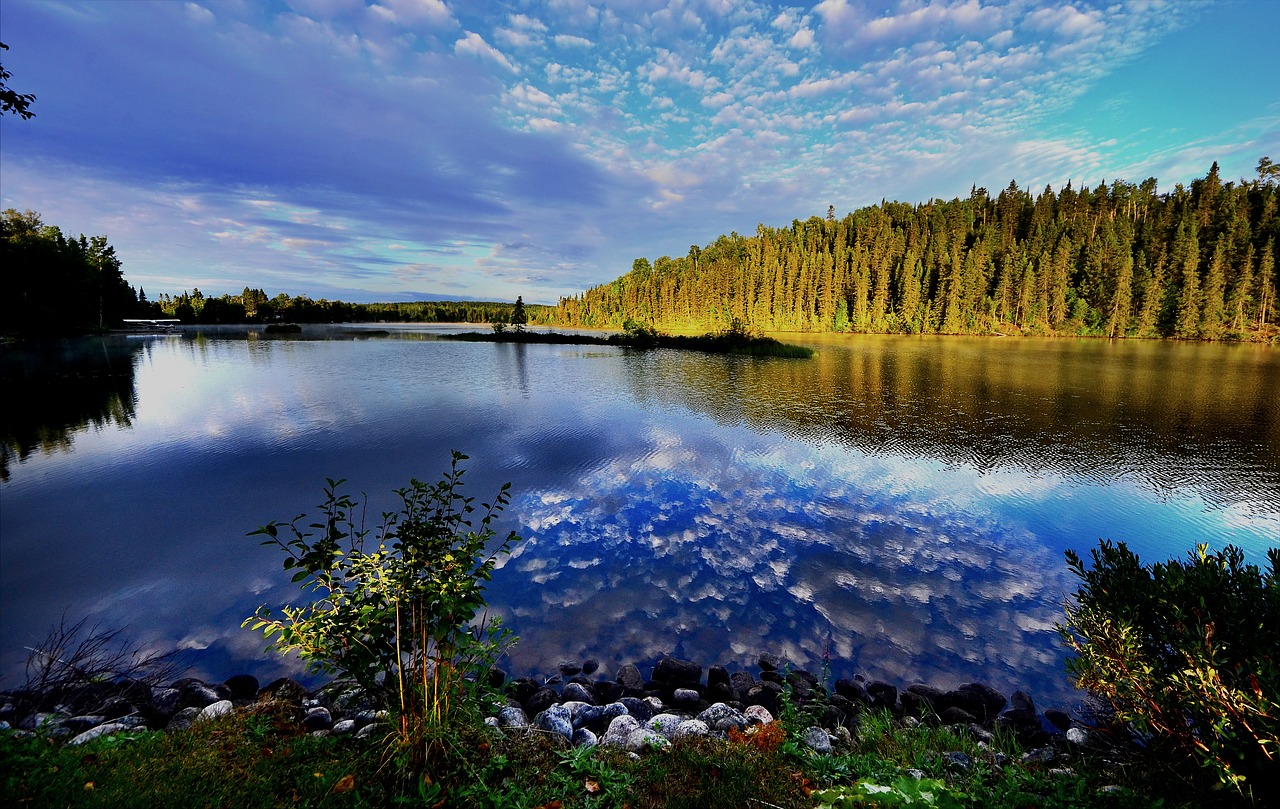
[898, 506]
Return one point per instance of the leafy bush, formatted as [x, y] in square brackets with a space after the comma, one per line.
[905, 791]
[1185, 654]
[393, 611]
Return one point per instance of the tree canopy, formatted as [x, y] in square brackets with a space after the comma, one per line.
[1117, 260]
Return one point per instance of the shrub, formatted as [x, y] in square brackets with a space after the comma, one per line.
[1184, 653]
[393, 611]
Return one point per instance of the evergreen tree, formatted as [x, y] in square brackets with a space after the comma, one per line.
[519, 318]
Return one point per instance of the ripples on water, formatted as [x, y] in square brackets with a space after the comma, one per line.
[898, 505]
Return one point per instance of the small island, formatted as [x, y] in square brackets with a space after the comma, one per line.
[736, 339]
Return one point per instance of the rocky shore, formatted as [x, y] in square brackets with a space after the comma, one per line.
[580, 703]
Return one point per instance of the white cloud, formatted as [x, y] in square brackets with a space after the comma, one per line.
[473, 44]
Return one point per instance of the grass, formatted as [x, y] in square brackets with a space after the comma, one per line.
[259, 757]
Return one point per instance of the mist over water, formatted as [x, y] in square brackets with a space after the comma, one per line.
[898, 507]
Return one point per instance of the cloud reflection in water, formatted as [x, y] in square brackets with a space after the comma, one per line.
[721, 547]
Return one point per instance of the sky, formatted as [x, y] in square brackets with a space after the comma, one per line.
[418, 149]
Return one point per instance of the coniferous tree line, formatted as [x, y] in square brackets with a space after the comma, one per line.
[253, 306]
[1117, 260]
[56, 284]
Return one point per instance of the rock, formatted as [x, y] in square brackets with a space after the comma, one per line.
[242, 687]
[366, 717]
[817, 740]
[496, 678]
[371, 729]
[284, 690]
[620, 729]
[1020, 701]
[957, 716]
[590, 666]
[764, 694]
[182, 720]
[557, 721]
[717, 675]
[164, 702]
[631, 681]
[980, 733]
[720, 711]
[79, 724]
[921, 700]
[583, 738]
[522, 689]
[665, 723]
[577, 693]
[542, 700]
[512, 717]
[1078, 736]
[598, 717]
[801, 676]
[883, 695]
[800, 686]
[740, 682]
[686, 699]
[690, 727]
[637, 708]
[217, 709]
[758, 714]
[198, 695]
[991, 700]
[568, 668]
[853, 690]
[957, 760]
[721, 692]
[607, 691]
[100, 730]
[770, 662]
[1059, 719]
[644, 739]
[1041, 755]
[916, 774]
[344, 726]
[773, 677]
[318, 718]
[674, 671]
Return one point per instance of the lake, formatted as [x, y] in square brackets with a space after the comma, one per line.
[896, 506]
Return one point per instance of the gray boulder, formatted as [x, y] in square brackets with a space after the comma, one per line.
[817, 740]
[557, 721]
[620, 729]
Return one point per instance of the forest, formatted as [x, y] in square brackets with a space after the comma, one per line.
[253, 306]
[1116, 260]
[58, 284]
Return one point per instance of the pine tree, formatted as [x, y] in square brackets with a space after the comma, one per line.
[1212, 304]
[1187, 324]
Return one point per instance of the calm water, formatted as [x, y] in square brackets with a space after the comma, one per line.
[898, 504]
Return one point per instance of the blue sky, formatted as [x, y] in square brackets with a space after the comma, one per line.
[403, 149]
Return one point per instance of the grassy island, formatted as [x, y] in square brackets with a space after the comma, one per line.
[736, 339]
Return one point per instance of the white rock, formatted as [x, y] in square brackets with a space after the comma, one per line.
[214, 710]
[101, 730]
